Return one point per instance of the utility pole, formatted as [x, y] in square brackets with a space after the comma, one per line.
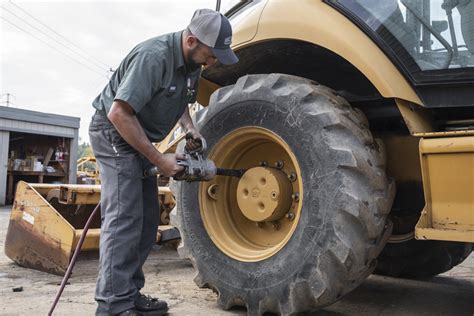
[8, 98]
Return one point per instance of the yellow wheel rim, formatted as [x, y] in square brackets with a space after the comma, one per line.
[250, 219]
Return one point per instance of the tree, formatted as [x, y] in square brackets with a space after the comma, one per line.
[84, 150]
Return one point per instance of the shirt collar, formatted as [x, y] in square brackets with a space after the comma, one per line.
[178, 51]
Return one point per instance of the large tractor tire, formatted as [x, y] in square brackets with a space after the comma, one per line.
[406, 257]
[306, 222]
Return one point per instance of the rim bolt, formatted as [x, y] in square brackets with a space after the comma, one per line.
[292, 177]
[295, 197]
[279, 164]
[274, 196]
[290, 215]
[263, 163]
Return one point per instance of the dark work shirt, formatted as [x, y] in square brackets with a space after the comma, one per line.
[154, 80]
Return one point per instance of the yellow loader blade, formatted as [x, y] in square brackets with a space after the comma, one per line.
[47, 221]
[39, 236]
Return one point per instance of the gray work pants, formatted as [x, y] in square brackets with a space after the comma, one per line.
[129, 217]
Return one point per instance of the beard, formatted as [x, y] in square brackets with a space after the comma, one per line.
[191, 65]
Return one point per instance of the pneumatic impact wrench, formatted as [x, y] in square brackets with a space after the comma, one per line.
[197, 167]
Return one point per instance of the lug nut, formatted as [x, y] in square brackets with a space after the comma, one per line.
[290, 215]
[295, 197]
[263, 163]
[276, 225]
[279, 164]
[212, 191]
[292, 177]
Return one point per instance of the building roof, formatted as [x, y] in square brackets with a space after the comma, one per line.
[39, 117]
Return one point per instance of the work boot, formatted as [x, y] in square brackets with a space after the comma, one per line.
[144, 303]
[130, 312]
[135, 312]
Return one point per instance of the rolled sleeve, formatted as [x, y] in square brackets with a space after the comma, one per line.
[141, 80]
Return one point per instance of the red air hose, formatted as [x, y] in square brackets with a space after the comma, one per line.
[73, 260]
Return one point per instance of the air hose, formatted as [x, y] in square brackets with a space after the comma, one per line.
[73, 260]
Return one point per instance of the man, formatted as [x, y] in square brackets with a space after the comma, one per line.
[146, 96]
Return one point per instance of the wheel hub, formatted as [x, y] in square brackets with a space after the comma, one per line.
[264, 194]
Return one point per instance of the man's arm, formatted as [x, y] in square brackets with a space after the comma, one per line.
[188, 126]
[125, 121]
[186, 121]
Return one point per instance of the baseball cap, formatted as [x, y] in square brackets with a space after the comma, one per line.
[213, 29]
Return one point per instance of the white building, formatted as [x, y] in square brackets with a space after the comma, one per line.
[36, 147]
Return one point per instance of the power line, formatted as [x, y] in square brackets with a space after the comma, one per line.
[58, 34]
[54, 48]
[93, 86]
[49, 36]
[51, 46]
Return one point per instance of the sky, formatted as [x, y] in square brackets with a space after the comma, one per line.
[44, 75]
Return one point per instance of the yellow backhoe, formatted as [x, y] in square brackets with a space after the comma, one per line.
[354, 121]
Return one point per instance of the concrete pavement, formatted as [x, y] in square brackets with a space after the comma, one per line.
[171, 278]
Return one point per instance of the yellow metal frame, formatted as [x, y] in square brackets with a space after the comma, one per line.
[79, 194]
[447, 166]
[416, 118]
[318, 23]
[404, 167]
[40, 236]
[82, 170]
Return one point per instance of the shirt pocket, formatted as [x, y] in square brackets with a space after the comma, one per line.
[170, 104]
[172, 97]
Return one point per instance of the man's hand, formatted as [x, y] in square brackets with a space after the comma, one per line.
[167, 164]
[193, 139]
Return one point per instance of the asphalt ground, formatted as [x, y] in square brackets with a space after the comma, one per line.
[171, 278]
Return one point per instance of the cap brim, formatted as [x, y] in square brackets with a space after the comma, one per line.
[225, 56]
